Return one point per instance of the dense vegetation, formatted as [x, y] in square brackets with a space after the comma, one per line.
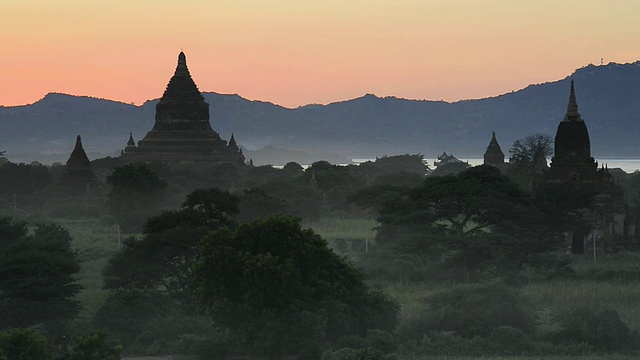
[221, 262]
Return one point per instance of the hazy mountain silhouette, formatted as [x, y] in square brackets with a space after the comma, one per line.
[362, 127]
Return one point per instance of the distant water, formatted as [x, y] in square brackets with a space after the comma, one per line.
[627, 165]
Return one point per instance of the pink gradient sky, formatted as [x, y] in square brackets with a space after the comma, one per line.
[295, 52]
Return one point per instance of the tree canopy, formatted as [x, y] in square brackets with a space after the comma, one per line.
[168, 248]
[37, 276]
[527, 156]
[135, 194]
[281, 286]
[478, 218]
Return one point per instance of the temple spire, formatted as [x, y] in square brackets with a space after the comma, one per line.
[131, 142]
[572, 107]
[494, 155]
[232, 144]
[78, 157]
[181, 69]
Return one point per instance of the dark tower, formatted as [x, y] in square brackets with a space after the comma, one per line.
[572, 163]
[572, 159]
[182, 132]
[494, 155]
[78, 176]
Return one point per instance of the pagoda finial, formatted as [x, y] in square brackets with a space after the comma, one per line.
[493, 135]
[182, 69]
[131, 142]
[572, 107]
[232, 144]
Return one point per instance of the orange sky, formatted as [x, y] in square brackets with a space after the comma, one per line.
[295, 52]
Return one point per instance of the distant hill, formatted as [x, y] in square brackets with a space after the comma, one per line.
[365, 127]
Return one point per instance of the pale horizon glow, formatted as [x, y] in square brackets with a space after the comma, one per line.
[297, 52]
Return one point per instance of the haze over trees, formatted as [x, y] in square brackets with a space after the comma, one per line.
[456, 266]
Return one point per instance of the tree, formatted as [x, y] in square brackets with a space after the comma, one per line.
[164, 256]
[283, 289]
[563, 206]
[95, 346]
[26, 181]
[24, 344]
[135, 195]
[256, 203]
[477, 220]
[151, 279]
[37, 276]
[527, 155]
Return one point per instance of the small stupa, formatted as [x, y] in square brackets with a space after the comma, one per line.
[78, 180]
[494, 155]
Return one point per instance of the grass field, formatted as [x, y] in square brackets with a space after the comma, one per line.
[343, 228]
[95, 242]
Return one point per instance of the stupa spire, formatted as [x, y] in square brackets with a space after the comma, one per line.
[78, 157]
[232, 144]
[131, 142]
[494, 155]
[572, 107]
[181, 69]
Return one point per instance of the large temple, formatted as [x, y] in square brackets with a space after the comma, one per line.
[182, 132]
[572, 163]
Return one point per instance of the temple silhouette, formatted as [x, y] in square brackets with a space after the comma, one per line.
[182, 132]
[78, 180]
[493, 155]
[572, 163]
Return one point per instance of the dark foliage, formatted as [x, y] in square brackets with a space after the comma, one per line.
[94, 346]
[599, 327]
[284, 289]
[473, 310]
[37, 277]
[562, 205]
[136, 193]
[164, 256]
[477, 221]
[256, 203]
[24, 344]
[27, 182]
[527, 156]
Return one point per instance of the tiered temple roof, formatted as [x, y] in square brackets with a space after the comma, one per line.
[182, 132]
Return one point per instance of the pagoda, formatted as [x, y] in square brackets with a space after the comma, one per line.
[572, 161]
[494, 155]
[573, 164]
[182, 132]
[78, 180]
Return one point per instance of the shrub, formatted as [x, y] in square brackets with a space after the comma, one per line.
[95, 346]
[508, 340]
[600, 327]
[473, 310]
[353, 354]
[24, 344]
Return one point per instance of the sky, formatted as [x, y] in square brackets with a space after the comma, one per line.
[297, 52]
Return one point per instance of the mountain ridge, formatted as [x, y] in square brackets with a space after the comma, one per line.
[363, 127]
